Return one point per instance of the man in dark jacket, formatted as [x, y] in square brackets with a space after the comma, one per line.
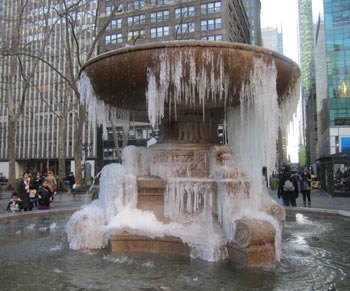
[288, 187]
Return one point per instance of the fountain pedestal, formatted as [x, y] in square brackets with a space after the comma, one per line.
[126, 242]
[254, 243]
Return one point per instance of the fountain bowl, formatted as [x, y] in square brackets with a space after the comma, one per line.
[121, 77]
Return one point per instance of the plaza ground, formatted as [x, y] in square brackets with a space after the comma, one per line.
[321, 202]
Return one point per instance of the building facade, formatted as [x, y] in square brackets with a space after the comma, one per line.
[139, 22]
[49, 101]
[332, 67]
[253, 8]
[307, 65]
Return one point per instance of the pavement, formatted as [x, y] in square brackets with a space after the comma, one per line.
[64, 202]
[321, 202]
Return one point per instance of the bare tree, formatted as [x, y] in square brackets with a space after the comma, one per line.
[81, 43]
[19, 75]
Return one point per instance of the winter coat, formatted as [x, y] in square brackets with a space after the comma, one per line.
[45, 194]
[23, 194]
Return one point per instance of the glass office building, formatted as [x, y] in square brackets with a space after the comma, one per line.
[332, 63]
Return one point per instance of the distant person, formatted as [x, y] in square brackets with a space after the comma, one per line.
[15, 204]
[51, 181]
[70, 180]
[288, 187]
[305, 188]
[45, 196]
[37, 180]
[24, 191]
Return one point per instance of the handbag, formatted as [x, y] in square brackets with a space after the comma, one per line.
[306, 185]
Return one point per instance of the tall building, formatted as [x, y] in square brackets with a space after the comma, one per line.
[272, 39]
[332, 67]
[133, 22]
[138, 22]
[253, 8]
[307, 65]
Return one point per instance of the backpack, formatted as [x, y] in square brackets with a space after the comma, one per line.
[288, 186]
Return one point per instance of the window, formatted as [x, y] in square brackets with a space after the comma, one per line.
[184, 28]
[135, 5]
[132, 35]
[159, 31]
[113, 38]
[159, 2]
[184, 12]
[115, 23]
[160, 16]
[136, 20]
[216, 37]
[212, 7]
[109, 9]
[211, 24]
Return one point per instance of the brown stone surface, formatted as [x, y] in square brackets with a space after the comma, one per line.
[254, 243]
[120, 77]
[151, 196]
[126, 242]
[254, 232]
[254, 255]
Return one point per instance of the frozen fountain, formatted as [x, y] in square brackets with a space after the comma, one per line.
[187, 194]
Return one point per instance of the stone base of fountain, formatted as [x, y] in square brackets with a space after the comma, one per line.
[126, 242]
[151, 196]
[254, 239]
[254, 243]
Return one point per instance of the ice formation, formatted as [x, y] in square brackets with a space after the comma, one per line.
[190, 202]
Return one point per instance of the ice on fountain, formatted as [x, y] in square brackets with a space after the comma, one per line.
[186, 197]
[97, 108]
[194, 233]
[173, 83]
[86, 228]
[252, 132]
[241, 190]
[118, 189]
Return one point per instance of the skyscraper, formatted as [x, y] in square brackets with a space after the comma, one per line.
[332, 67]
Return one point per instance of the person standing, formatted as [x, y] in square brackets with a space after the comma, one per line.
[51, 181]
[305, 186]
[23, 192]
[44, 196]
[288, 187]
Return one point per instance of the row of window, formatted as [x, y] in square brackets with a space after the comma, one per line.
[162, 31]
[181, 12]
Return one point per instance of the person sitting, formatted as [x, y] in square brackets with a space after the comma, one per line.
[15, 204]
[44, 196]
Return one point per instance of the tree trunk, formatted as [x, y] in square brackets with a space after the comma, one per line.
[12, 125]
[62, 148]
[11, 145]
[78, 146]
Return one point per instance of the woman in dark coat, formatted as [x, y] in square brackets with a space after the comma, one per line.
[23, 192]
[44, 196]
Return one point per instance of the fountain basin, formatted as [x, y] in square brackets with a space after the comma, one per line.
[121, 77]
[309, 240]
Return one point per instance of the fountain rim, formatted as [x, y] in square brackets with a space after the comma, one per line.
[192, 44]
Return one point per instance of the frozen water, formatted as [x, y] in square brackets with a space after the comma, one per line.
[252, 130]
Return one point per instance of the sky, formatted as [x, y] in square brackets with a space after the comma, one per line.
[284, 14]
